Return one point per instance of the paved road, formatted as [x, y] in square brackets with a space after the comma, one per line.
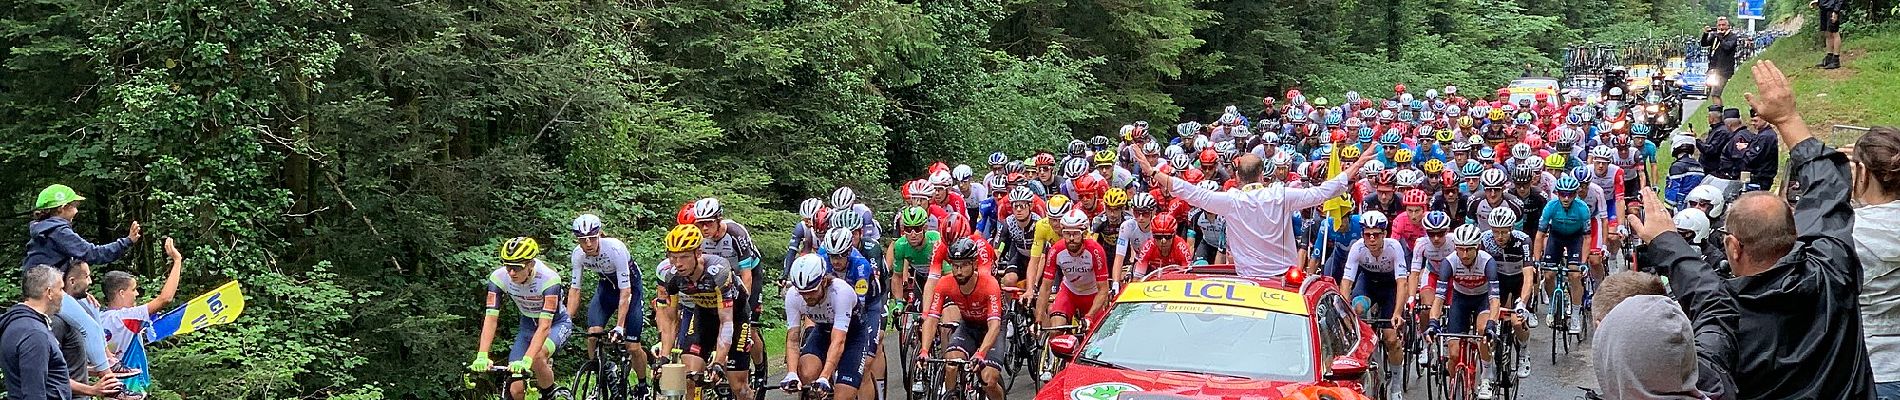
[1558, 380]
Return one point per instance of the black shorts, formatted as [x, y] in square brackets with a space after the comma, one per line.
[969, 336]
[1509, 286]
[699, 335]
[1831, 20]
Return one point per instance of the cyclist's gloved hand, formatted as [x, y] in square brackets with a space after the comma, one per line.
[790, 384]
[620, 331]
[481, 363]
[821, 385]
[520, 366]
[1433, 328]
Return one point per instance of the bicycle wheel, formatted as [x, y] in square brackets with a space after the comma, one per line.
[588, 384]
[1559, 306]
[1376, 387]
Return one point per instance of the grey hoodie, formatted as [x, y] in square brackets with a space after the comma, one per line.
[1644, 349]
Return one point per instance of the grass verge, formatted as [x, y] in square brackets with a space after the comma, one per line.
[1864, 91]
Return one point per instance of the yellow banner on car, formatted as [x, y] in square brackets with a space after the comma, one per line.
[1215, 292]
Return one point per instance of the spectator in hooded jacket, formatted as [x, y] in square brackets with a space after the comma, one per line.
[51, 241]
[29, 355]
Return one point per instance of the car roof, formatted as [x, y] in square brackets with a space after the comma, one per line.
[1217, 285]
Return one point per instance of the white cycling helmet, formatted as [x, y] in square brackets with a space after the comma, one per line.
[1022, 194]
[1410, 177]
[838, 241]
[1601, 153]
[1522, 151]
[1503, 217]
[1372, 169]
[1074, 167]
[1466, 236]
[1374, 219]
[1209, 185]
[941, 178]
[844, 197]
[1075, 219]
[808, 271]
[706, 209]
[846, 219]
[1493, 178]
[920, 189]
[1695, 221]
[1181, 162]
[586, 225]
[962, 173]
[1151, 148]
[809, 208]
[1431, 94]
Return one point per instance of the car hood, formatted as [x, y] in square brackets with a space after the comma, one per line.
[1087, 382]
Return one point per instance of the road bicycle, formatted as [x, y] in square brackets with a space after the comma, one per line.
[1461, 365]
[604, 376]
[968, 387]
[493, 384]
[1503, 338]
[1559, 301]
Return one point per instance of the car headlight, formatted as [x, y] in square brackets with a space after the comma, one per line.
[1653, 108]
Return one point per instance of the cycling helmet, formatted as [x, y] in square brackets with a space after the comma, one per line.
[1349, 153]
[1014, 167]
[1409, 177]
[1315, 169]
[845, 219]
[1433, 166]
[1209, 156]
[1493, 179]
[1368, 113]
[919, 189]
[1403, 156]
[1059, 204]
[838, 241]
[1209, 185]
[1503, 217]
[1522, 151]
[586, 225]
[1151, 148]
[1386, 115]
[1555, 161]
[1602, 153]
[685, 215]
[1296, 115]
[1391, 137]
[1163, 225]
[1582, 173]
[1436, 221]
[1374, 220]
[1574, 119]
[997, 159]
[1269, 138]
[1098, 142]
[525, 248]
[1352, 97]
[1523, 118]
[1386, 178]
[1620, 140]
[964, 249]
[1523, 173]
[1471, 169]
[1172, 150]
[995, 183]
[1116, 197]
[1372, 169]
[1142, 201]
[1415, 198]
[1487, 154]
[1046, 159]
[1180, 162]
[1405, 98]
[913, 216]
[1695, 221]
[1466, 122]
[1366, 134]
[683, 238]
[1021, 194]
[1077, 147]
[1467, 236]
[843, 197]
[1399, 88]
[962, 173]
[1639, 130]
[1090, 186]
[1415, 104]
[1074, 167]
[706, 209]
[1445, 135]
[1104, 158]
[1427, 115]
[1240, 132]
[942, 179]
[1282, 160]
[1334, 118]
[809, 208]
[1496, 114]
[1075, 220]
[1567, 184]
[807, 272]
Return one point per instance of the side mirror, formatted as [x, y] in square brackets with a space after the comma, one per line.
[1063, 345]
[1345, 369]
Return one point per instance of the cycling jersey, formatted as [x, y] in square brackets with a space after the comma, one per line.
[1212, 229]
[869, 227]
[1533, 212]
[982, 303]
[1567, 221]
[735, 245]
[1479, 208]
[1425, 254]
[1079, 272]
[1407, 231]
[986, 216]
[803, 238]
[1479, 278]
[1390, 260]
[530, 297]
[1108, 231]
[866, 280]
[1510, 257]
[612, 263]
[1154, 255]
[1016, 237]
[837, 308]
[1045, 235]
[1131, 238]
[715, 287]
[905, 257]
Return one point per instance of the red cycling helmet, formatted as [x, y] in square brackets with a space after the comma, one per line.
[1387, 178]
[685, 216]
[1415, 198]
[1209, 156]
[1089, 185]
[1292, 93]
[1399, 88]
[956, 228]
[820, 220]
[937, 166]
[1045, 159]
[1163, 225]
[1193, 176]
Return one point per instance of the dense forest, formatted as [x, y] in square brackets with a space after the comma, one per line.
[355, 162]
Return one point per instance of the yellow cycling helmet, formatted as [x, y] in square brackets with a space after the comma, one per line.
[1104, 158]
[1058, 204]
[1555, 161]
[519, 249]
[1466, 122]
[1496, 114]
[1402, 156]
[683, 238]
[1349, 153]
[1434, 166]
[1446, 135]
[1116, 197]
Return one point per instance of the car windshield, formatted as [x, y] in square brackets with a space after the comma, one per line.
[1209, 339]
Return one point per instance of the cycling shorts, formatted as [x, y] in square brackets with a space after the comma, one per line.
[1072, 305]
[857, 346]
[1561, 248]
[606, 304]
[699, 335]
[1509, 286]
[557, 335]
[969, 337]
[1381, 287]
[1464, 312]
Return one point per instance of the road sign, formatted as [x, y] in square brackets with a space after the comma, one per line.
[1748, 9]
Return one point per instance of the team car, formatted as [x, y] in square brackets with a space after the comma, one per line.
[1204, 332]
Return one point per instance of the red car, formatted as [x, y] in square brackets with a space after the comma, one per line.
[1203, 332]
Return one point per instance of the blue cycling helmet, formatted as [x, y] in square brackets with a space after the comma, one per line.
[1639, 131]
[1334, 118]
[1436, 221]
[1365, 134]
[1574, 119]
[1472, 168]
[1581, 172]
[1487, 154]
[998, 158]
[1289, 149]
[1391, 137]
[1321, 152]
[1418, 105]
[1567, 184]
[1296, 115]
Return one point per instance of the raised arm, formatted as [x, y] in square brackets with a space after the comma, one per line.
[166, 294]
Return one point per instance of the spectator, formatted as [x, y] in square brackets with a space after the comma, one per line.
[1831, 12]
[51, 241]
[1723, 44]
[1764, 164]
[1734, 154]
[1257, 229]
[1710, 377]
[1877, 242]
[1643, 351]
[122, 296]
[78, 277]
[1798, 281]
[29, 356]
[1709, 148]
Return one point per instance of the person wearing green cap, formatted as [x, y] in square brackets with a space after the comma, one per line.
[51, 241]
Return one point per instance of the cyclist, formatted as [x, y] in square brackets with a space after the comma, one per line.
[1479, 209]
[1472, 276]
[909, 256]
[1561, 230]
[843, 248]
[1016, 235]
[1082, 267]
[1435, 246]
[700, 311]
[1133, 234]
[978, 298]
[969, 191]
[1107, 225]
[1164, 248]
[944, 194]
[544, 326]
[618, 292]
[728, 239]
[835, 343]
[1525, 186]
[1511, 249]
[1210, 233]
[1409, 227]
[1378, 262]
[804, 233]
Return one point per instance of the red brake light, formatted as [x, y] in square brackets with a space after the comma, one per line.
[1294, 277]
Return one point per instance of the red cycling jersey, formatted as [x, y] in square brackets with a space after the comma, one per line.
[1154, 257]
[985, 256]
[982, 303]
[1077, 270]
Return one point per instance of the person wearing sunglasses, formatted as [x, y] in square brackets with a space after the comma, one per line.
[1375, 269]
[617, 294]
[1560, 240]
[544, 325]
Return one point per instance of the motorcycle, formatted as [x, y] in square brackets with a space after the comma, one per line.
[1659, 112]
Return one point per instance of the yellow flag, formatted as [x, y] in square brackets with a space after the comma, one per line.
[1337, 207]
